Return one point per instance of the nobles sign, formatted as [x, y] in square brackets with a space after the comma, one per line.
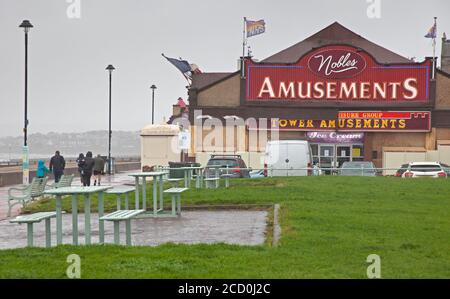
[337, 73]
[336, 64]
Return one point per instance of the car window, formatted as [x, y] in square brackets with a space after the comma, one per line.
[426, 168]
[223, 162]
[357, 165]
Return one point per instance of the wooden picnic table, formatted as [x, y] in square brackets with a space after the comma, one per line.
[157, 179]
[75, 192]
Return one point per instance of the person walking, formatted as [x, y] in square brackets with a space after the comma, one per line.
[80, 163]
[42, 170]
[87, 169]
[57, 165]
[99, 166]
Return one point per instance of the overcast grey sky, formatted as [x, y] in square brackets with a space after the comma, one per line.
[68, 84]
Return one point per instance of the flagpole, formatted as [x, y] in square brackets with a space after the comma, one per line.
[243, 50]
[434, 50]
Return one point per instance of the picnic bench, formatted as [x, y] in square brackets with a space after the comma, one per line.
[26, 194]
[119, 191]
[119, 216]
[175, 194]
[227, 177]
[35, 218]
[64, 181]
[176, 181]
[209, 181]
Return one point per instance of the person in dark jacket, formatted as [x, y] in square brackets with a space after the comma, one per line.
[80, 163]
[87, 169]
[57, 165]
[99, 166]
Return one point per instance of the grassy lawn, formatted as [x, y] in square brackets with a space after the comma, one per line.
[329, 227]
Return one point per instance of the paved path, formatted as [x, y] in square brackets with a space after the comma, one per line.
[193, 227]
[113, 180]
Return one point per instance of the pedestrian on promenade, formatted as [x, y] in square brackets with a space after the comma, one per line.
[57, 165]
[42, 170]
[99, 166]
[80, 163]
[87, 169]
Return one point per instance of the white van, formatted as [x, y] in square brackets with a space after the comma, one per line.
[288, 158]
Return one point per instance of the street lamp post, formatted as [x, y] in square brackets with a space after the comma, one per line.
[110, 69]
[153, 87]
[26, 25]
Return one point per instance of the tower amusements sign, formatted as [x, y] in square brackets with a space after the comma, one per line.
[338, 73]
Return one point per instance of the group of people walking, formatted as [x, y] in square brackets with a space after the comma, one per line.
[57, 165]
[87, 166]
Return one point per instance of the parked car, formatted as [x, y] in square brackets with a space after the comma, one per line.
[446, 168]
[424, 169]
[358, 168]
[255, 174]
[228, 161]
[401, 170]
[288, 158]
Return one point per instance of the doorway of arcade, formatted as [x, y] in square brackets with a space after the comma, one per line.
[327, 155]
[332, 149]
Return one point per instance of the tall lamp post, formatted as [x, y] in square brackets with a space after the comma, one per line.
[110, 69]
[26, 25]
[153, 87]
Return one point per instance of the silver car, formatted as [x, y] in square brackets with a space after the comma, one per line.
[358, 168]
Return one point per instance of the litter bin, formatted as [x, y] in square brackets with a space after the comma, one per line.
[179, 173]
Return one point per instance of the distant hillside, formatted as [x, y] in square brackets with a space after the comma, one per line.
[71, 144]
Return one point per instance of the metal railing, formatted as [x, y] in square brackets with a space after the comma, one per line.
[318, 171]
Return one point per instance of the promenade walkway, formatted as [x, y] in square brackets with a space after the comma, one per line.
[121, 178]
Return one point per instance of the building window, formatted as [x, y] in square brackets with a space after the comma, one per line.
[374, 155]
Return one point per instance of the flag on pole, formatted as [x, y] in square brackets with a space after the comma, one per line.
[184, 67]
[255, 27]
[432, 32]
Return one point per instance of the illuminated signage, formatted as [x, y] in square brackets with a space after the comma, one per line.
[337, 73]
[361, 121]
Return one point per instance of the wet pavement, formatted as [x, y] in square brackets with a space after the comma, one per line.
[121, 178]
[231, 227]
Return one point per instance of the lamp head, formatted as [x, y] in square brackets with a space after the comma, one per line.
[26, 25]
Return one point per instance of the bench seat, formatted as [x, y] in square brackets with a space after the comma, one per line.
[35, 218]
[215, 180]
[119, 191]
[175, 194]
[117, 217]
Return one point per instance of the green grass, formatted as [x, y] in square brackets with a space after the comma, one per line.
[329, 227]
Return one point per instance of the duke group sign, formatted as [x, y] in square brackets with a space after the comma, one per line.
[338, 73]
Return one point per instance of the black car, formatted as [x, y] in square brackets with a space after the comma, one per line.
[234, 163]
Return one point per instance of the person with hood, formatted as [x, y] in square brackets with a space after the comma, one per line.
[87, 169]
[42, 170]
[57, 165]
[99, 166]
[80, 163]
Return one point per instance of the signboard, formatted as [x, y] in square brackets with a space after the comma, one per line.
[361, 121]
[335, 137]
[338, 73]
[184, 140]
[25, 166]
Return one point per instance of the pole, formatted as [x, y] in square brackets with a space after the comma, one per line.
[25, 151]
[153, 106]
[243, 50]
[109, 131]
[434, 50]
[25, 143]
